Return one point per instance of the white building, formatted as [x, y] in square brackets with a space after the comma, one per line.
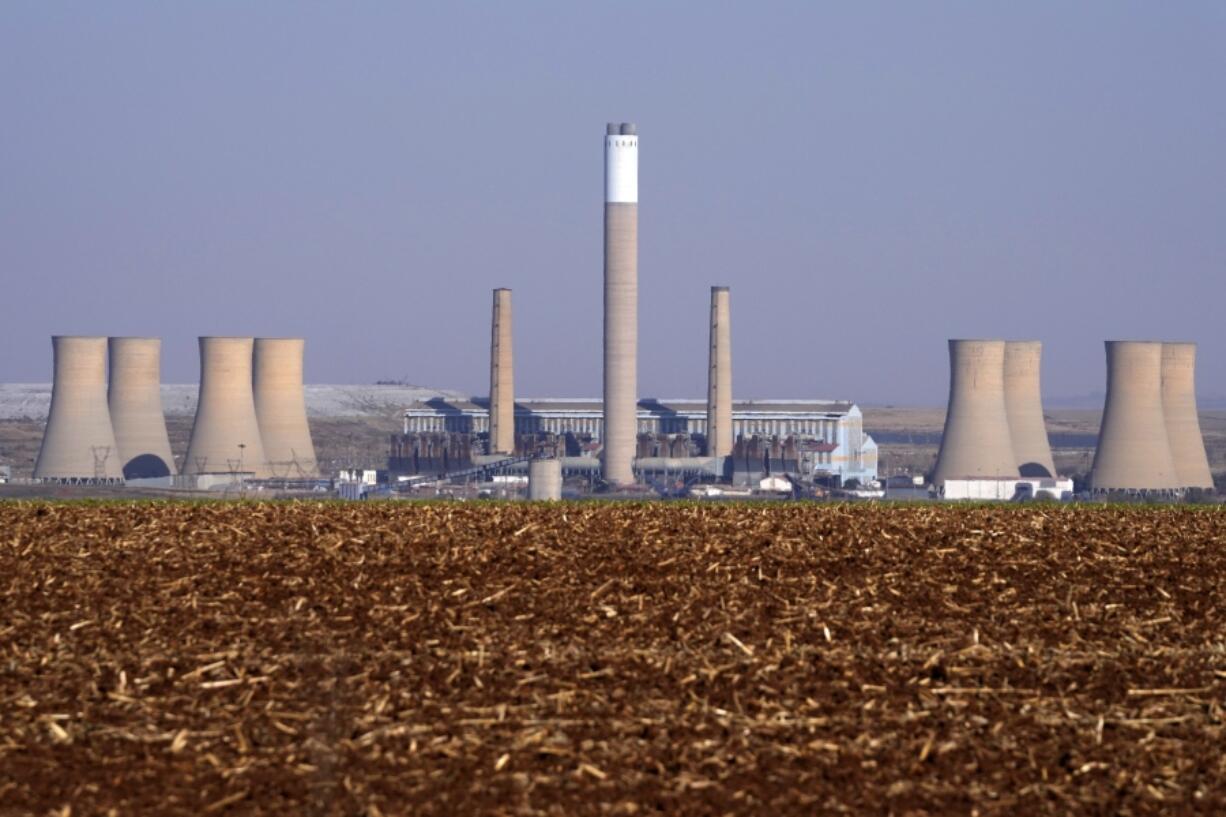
[830, 433]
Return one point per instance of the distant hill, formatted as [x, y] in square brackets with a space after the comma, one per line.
[1094, 400]
[32, 400]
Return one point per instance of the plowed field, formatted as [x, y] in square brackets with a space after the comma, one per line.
[624, 659]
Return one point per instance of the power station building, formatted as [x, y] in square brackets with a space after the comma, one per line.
[827, 437]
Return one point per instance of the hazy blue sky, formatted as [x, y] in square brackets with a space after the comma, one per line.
[870, 179]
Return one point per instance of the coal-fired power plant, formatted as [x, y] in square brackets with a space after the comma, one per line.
[1182, 423]
[1134, 453]
[280, 408]
[134, 396]
[502, 377]
[1024, 408]
[251, 416]
[976, 443]
[621, 240]
[719, 376]
[79, 443]
[226, 435]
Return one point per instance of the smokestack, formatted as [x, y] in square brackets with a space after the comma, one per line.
[1024, 407]
[135, 400]
[1182, 423]
[280, 407]
[719, 376]
[976, 441]
[1133, 452]
[502, 377]
[621, 217]
[79, 442]
[226, 435]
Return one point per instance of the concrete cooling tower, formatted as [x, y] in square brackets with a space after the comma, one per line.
[719, 376]
[621, 217]
[135, 400]
[1182, 423]
[976, 441]
[226, 435]
[79, 442]
[1133, 451]
[280, 408]
[502, 377]
[1024, 407]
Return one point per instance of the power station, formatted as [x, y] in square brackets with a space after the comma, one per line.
[106, 421]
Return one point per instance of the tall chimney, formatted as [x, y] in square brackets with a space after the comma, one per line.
[976, 442]
[719, 376]
[79, 442]
[1133, 451]
[621, 216]
[225, 435]
[502, 377]
[1024, 406]
[1182, 423]
[135, 400]
[280, 407]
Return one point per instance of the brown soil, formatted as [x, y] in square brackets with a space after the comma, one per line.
[261, 658]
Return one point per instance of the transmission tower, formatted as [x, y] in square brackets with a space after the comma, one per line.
[101, 454]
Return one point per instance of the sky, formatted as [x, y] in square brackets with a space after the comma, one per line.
[870, 179]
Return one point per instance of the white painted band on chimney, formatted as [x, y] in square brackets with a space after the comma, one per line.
[621, 169]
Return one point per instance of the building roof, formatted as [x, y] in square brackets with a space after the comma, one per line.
[647, 405]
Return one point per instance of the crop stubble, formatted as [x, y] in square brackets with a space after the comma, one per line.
[522, 659]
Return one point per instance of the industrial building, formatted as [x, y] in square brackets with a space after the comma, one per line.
[827, 437]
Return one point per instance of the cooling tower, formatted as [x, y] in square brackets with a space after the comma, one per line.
[545, 479]
[135, 399]
[79, 442]
[226, 435]
[976, 441]
[280, 408]
[502, 377]
[1133, 452]
[1024, 407]
[719, 376]
[1182, 423]
[621, 217]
